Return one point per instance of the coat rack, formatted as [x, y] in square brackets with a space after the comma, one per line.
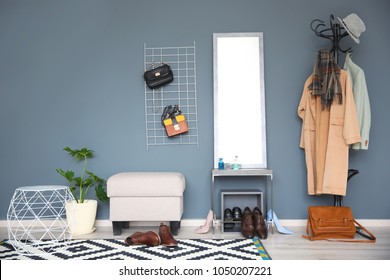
[334, 33]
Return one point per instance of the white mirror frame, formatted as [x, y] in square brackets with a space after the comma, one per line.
[239, 99]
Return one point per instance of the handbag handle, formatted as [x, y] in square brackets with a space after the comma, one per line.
[170, 112]
[152, 65]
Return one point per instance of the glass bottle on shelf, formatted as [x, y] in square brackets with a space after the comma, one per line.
[236, 165]
[221, 164]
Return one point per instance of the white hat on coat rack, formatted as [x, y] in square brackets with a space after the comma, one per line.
[354, 26]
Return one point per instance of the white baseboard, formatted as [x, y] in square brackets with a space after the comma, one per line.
[199, 222]
[291, 223]
[365, 222]
[107, 223]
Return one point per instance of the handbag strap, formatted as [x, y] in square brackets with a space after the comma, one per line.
[152, 65]
[170, 112]
[370, 237]
[157, 96]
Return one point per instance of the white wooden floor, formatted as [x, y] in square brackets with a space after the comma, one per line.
[279, 246]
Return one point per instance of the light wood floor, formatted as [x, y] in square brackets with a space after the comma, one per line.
[279, 246]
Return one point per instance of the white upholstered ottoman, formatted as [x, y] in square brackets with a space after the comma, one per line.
[146, 196]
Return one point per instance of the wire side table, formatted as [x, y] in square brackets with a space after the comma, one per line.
[36, 219]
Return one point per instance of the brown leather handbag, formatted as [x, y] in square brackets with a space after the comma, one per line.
[334, 223]
[174, 121]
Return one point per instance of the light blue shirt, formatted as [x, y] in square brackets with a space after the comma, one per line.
[362, 102]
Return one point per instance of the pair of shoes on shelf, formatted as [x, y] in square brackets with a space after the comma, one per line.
[271, 217]
[230, 216]
[151, 238]
[253, 223]
[206, 227]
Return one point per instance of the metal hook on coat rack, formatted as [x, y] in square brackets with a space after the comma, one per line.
[334, 33]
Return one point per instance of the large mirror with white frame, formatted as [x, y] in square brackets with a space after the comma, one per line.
[239, 99]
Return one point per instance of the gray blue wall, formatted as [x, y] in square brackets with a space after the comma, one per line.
[71, 75]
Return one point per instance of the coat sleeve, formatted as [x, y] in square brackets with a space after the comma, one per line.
[351, 130]
[302, 109]
[363, 109]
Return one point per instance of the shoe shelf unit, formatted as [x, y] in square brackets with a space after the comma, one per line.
[241, 198]
[267, 198]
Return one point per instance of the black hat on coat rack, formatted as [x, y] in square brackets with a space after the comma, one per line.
[350, 25]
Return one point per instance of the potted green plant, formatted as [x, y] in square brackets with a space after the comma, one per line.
[81, 213]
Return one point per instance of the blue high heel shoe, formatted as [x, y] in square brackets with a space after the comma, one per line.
[271, 216]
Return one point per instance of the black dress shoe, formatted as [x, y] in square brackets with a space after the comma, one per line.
[237, 214]
[228, 217]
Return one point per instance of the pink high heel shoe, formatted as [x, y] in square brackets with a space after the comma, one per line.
[206, 227]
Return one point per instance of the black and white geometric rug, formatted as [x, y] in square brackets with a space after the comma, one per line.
[113, 249]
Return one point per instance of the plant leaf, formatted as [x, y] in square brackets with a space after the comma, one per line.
[77, 181]
[95, 178]
[101, 193]
[81, 154]
[86, 153]
[68, 175]
[88, 181]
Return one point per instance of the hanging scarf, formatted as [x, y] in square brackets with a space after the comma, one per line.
[326, 82]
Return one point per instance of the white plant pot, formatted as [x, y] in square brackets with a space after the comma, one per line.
[81, 216]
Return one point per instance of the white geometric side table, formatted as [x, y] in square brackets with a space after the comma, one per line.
[37, 221]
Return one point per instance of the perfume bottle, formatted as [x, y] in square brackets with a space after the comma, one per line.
[221, 164]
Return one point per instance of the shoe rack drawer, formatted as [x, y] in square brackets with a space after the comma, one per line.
[241, 198]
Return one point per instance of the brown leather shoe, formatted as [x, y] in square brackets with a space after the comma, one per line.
[247, 227]
[149, 238]
[166, 236]
[259, 223]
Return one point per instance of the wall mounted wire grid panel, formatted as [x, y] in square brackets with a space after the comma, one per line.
[182, 91]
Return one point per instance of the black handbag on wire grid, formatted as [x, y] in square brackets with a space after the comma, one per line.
[156, 77]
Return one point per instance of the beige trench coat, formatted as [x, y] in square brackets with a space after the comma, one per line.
[326, 136]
